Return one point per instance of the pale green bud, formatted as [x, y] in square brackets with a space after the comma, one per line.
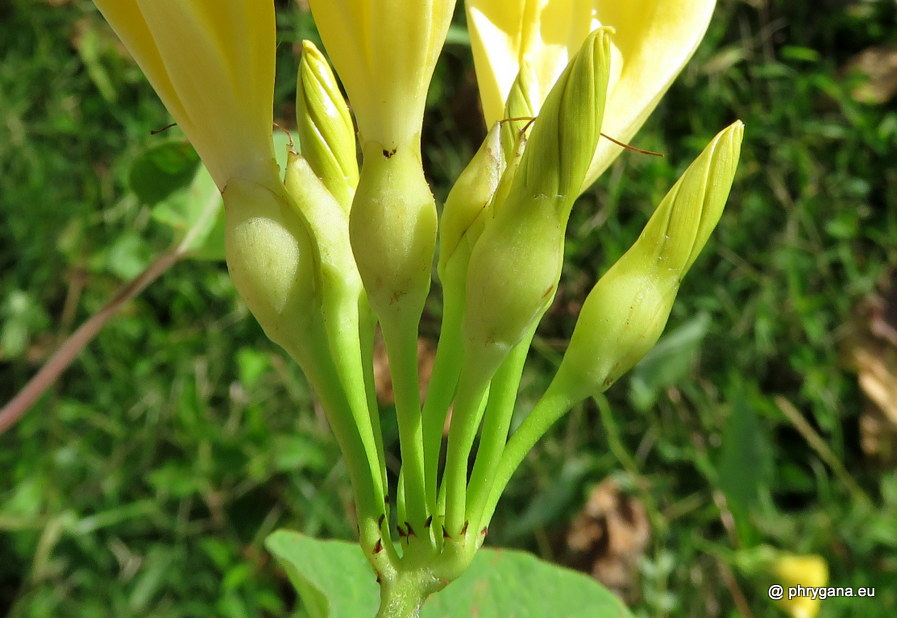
[519, 105]
[511, 281]
[566, 132]
[627, 310]
[337, 275]
[326, 133]
[269, 256]
[470, 195]
[392, 227]
[514, 133]
[516, 264]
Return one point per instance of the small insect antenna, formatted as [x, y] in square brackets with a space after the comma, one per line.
[289, 136]
[531, 119]
[633, 148]
[163, 129]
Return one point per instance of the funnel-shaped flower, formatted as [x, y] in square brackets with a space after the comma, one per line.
[384, 52]
[627, 310]
[212, 64]
[654, 39]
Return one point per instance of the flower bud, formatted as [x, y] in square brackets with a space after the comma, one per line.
[326, 133]
[520, 104]
[470, 195]
[337, 279]
[392, 228]
[516, 263]
[627, 310]
[566, 133]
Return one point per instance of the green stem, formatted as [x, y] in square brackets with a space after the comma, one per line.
[367, 327]
[555, 402]
[401, 346]
[323, 376]
[403, 595]
[470, 400]
[446, 369]
[496, 422]
[344, 336]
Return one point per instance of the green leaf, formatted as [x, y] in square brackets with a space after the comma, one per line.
[196, 212]
[335, 581]
[745, 463]
[163, 170]
[503, 583]
[332, 577]
[668, 362]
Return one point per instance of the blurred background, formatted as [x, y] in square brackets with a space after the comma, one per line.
[144, 481]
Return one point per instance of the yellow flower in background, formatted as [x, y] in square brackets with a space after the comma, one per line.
[212, 64]
[653, 41]
[384, 52]
[800, 571]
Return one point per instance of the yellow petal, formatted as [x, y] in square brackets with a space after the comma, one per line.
[504, 33]
[384, 52]
[212, 64]
[655, 39]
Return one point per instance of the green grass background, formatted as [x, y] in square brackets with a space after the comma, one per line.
[144, 481]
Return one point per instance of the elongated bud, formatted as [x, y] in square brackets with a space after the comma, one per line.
[392, 227]
[269, 256]
[326, 133]
[329, 228]
[470, 194]
[516, 264]
[520, 104]
[567, 130]
[627, 310]
[515, 132]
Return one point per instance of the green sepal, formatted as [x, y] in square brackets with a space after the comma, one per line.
[392, 228]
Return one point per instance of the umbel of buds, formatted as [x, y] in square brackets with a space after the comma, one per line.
[326, 250]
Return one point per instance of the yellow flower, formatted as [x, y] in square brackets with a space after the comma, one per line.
[384, 52]
[800, 573]
[212, 64]
[653, 41]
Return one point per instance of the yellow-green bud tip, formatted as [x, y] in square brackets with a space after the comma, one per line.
[326, 132]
